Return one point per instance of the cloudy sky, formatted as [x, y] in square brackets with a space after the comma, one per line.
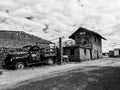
[50, 19]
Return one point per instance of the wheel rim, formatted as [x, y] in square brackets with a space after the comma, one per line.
[20, 66]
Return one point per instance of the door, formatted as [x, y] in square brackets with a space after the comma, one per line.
[34, 54]
[97, 54]
[91, 54]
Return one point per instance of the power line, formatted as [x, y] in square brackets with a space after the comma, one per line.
[56, 38]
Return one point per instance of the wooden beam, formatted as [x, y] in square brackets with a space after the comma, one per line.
[60, 51]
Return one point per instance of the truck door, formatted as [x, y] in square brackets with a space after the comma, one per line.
[34, 54]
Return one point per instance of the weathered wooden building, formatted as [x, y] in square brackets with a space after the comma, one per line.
[88, 45]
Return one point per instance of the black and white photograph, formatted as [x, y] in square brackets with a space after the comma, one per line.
[59, 44]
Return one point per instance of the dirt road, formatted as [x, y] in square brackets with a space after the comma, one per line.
[81, 76]
[107, 78]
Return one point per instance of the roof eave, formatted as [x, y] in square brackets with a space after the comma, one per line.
[103, 38]
[71, 37]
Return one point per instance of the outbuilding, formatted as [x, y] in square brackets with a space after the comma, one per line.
[117, 52]
[111, 53]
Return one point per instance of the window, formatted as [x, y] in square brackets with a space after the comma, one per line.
[72, 52]
[82, 33]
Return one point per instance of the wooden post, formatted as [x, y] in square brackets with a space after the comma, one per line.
[60, 50]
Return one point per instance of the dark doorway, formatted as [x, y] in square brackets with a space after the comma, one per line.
[72, 51]
[91, 54]
[119, 52]
[97, 54]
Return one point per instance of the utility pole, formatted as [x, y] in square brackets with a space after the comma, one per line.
[60, 50]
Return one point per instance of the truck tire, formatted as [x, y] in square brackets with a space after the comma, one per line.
[50, 61]
[19, 65]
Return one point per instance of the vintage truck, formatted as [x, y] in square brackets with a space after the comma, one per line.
[31, 55]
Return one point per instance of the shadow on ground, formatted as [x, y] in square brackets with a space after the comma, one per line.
[105, 78]
[108, 80]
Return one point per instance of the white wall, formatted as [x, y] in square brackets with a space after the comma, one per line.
[116, 52]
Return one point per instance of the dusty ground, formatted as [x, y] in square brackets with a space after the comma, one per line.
[106, 78]
[90, 75]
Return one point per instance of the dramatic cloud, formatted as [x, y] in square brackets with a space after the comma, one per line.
[50, 19]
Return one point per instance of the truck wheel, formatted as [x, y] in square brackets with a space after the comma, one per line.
[19, 65]
[50, 61]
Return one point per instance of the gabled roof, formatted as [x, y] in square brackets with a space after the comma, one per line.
[86, 30]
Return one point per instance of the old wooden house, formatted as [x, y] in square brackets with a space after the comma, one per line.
[88, 45]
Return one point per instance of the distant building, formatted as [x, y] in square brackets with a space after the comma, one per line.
[117, 52]
[111, 53]
[88, 45]
[114, 53]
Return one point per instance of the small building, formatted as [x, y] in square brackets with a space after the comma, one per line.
[117, 52]
[88, 45]
[114, 53]
[111, 53]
